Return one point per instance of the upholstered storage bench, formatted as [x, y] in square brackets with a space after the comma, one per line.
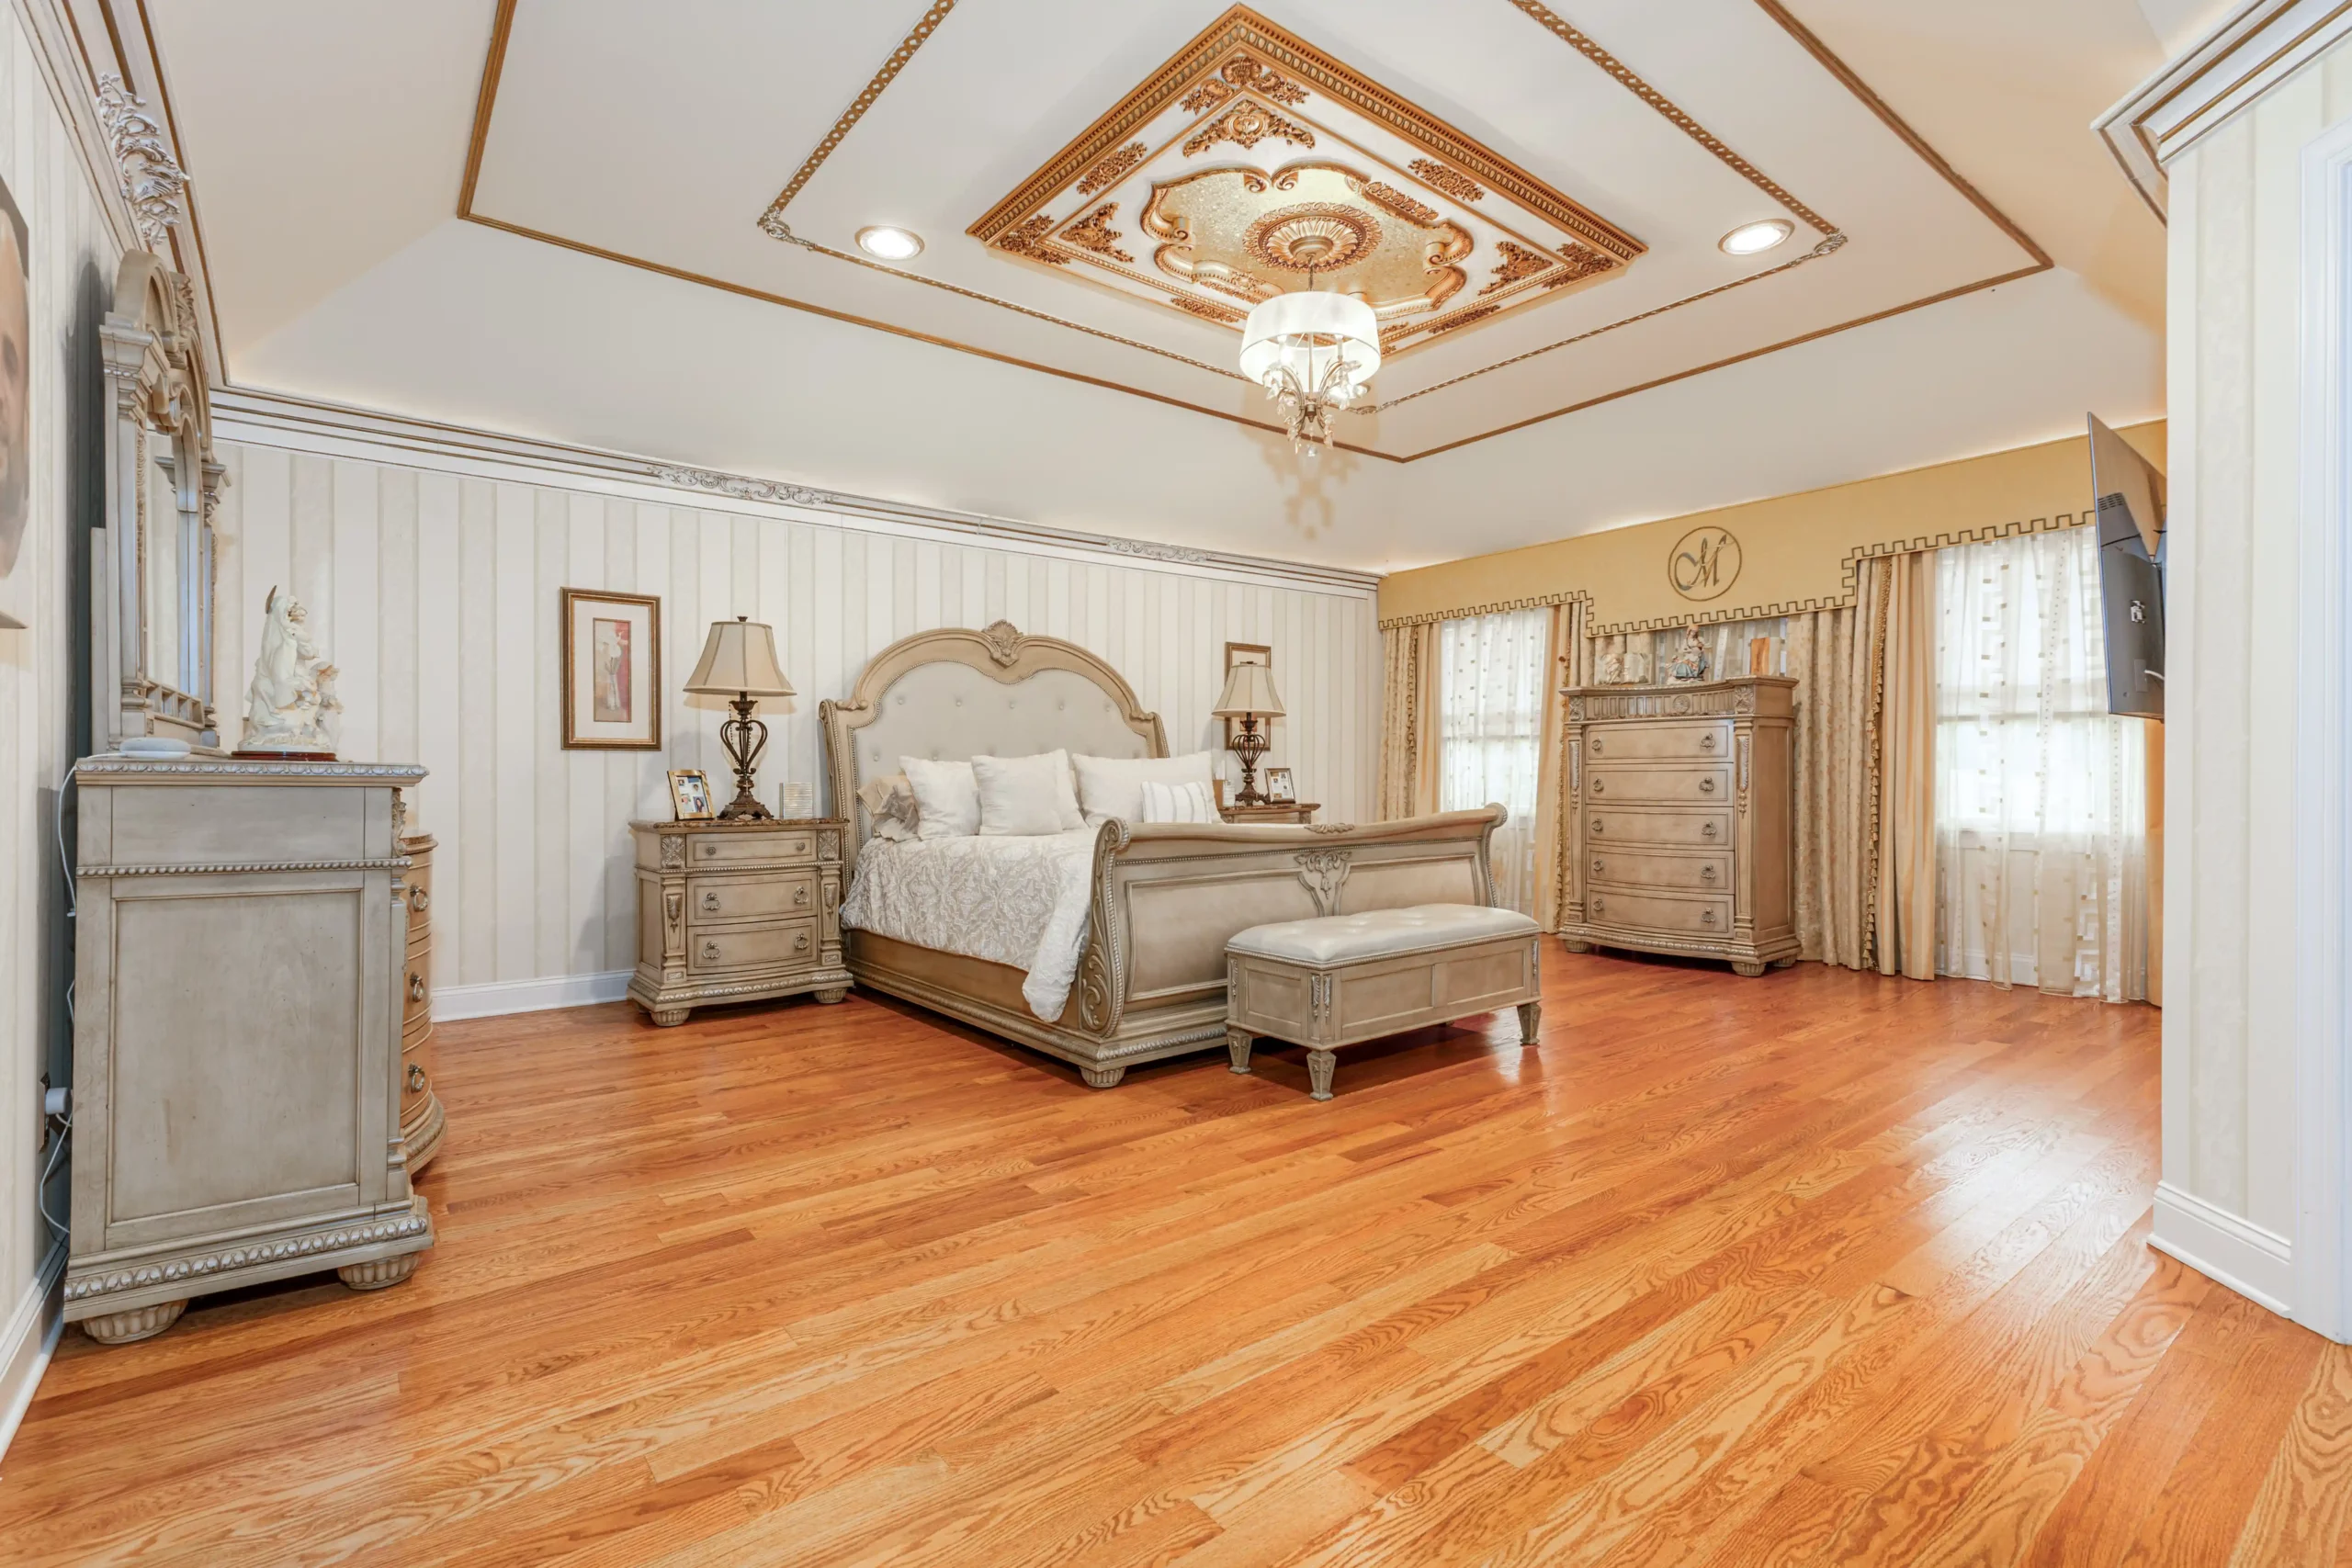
[1344, 979]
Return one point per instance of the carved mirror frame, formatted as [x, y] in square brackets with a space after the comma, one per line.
[154, 374]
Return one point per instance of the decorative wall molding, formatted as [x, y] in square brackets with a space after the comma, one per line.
[2255, 1263]
[496, 998]
[152, 181]
[916, 36]
[28, 1339]
[268, 419]
[2258, 46]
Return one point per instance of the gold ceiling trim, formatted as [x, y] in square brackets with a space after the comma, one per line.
[493, 62]
[1242, 28]
[856, 110]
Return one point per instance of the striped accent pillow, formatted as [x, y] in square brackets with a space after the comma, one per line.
[1177, 802]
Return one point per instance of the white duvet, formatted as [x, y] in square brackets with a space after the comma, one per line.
[1021, 902]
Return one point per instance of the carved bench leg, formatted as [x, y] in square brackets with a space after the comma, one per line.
[1318, 1073]
[1530, 1020]
[134, 1324]
[1101, 1077]
[1236, 1045]
[379, 1273]
[668, 1017]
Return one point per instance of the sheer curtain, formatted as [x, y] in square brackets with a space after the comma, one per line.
[1490, 721]
[2041, 794]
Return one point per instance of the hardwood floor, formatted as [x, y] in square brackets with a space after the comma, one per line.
[1819, 1268]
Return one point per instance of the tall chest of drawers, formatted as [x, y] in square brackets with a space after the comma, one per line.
[736, 912]
[1680, 821]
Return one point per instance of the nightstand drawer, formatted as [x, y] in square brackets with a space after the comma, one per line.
[1665, 912]
[715, 900]
[720, 847]
[417, 987]
[1686, 830]
[1682, 873]
[775, 943]
[1658, 787]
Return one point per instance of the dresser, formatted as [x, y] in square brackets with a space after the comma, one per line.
[239, 987]
[421, 1122]
[1680, 821]
[736, 912]
[1297, 813]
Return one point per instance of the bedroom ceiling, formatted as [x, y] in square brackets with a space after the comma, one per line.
[636, 227]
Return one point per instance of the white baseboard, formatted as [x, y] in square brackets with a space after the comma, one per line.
[496, 996]
[28, 1341]
[2255, 1263]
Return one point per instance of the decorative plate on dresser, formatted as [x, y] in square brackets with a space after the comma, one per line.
[736, 912]
[1680, 821]
[422, 1122]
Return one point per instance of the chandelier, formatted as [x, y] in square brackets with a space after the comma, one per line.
[1315, 352]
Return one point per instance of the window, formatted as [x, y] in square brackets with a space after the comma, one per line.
[2040, 794]
[1491, 733]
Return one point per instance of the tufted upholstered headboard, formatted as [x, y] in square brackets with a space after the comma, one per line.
[957, 693]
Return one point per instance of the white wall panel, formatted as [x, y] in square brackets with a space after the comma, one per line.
[437, 597]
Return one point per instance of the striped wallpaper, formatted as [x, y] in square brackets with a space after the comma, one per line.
[436, 594]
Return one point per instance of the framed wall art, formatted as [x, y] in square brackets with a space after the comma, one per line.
[611, 670]
[16, 394]
[1243, 653]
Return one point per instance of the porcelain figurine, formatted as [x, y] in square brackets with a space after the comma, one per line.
[290, 708]
[1613, 669]
[1689, 662]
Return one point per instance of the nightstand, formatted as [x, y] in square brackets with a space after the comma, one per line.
[736, 912]
[1300, 812]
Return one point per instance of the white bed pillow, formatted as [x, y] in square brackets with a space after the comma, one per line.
[947, 798]
[1026, 796]
[1178, 802]
[1112, 786]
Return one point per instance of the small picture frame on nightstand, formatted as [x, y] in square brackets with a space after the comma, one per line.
[1280, 791]
[690, 795]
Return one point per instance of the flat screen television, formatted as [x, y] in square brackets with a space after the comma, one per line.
[2129, 492]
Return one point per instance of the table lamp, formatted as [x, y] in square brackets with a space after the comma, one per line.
[1248, 696]
[738, 663]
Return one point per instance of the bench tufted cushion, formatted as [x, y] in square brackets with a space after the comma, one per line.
[1379, 933]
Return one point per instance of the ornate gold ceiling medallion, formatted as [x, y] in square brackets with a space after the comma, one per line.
[1384, 211]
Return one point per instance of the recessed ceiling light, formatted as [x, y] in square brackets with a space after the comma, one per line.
[891, 243]
[1745, 240]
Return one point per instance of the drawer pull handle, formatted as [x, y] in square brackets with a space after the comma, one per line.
[1601, 786]
[415, 1078]
[710, 901]
[1596, 745]
[1707, 830]
[1706, 743]
[419, 901]
[1596, 826]
[710, 951]
[1706, 916]
[709, 850]
[1599, 907]
[1596, 865]
[1706, 874]
[1706, 787]
[800, 943]
[801, 895]
[417, 987]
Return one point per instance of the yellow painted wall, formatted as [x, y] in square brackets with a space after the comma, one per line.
[1797, 551]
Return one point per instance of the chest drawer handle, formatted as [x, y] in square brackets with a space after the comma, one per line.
[1706, 916]
[1599, 907]
[1707, 830]
[1706, 787]
[800, 943]
[1596, 745]
[415, 1078]
[1601, 786]
[1597, 826]
[419, 901]
[709, 850]
[1706, 743]
[417, 987]
[710, 901]
[710, 949]
[801, 895]
[1596, 865]
[1706, 874]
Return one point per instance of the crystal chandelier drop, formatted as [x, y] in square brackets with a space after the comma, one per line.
[1315, 352]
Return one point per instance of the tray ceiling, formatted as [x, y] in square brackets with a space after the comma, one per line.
[1552, 245]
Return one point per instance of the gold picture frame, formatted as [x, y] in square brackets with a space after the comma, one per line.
[1280, 790]
[690, 795]
[611, 670]
[1244, 653]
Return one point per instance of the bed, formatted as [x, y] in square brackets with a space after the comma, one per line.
[1140, 911]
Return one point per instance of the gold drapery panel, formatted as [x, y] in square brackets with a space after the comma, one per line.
[1905, 915]
[1833, 654]
[1571, 665]
[1408, 721]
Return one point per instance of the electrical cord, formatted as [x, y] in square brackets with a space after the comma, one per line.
[65, 1123]
[40, 1189]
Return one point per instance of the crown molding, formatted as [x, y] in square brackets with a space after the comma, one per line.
[2252, 50]
[273, 418]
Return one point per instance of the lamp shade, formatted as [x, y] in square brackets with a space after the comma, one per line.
[1306, 332]
[738, 659]
[1249, 693]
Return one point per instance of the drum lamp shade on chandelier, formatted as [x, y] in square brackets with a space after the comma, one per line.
[738, 663]
[1248, 696]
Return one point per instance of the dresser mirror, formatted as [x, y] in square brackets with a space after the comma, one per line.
[151, 568]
